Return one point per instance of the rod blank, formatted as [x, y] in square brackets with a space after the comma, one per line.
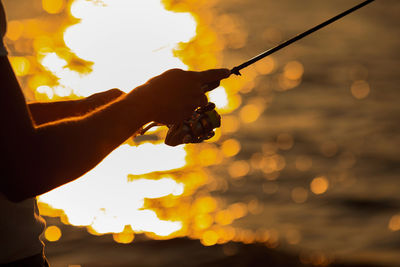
[236, 70]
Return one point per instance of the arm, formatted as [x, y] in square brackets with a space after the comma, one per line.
[42, 158]
[45, 157]
[44, 112]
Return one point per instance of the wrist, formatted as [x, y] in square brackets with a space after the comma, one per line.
[139, 105]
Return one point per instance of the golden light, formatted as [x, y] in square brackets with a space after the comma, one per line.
[273, 163]
[293, 70]
[269, 148]
[230, 147]
[255, 207]
[21, 65]
[209, 155]
[124, 238]
[209, 238]
[239, 169]
[286, 84]
[83, 47]
[319, 185]
[256, 160]
[265, 66]
[394, 223]
[52, 233]
[224, 217]
[44, 93]
[15, 29]
[53, 6]
[250, 113]
[238, 210]
[203, 221]
[229, 124]
[43, 44]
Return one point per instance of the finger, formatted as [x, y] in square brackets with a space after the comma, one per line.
[105, 96]
[213, 75]
[114, 93]
[210, 86]
[203, 101]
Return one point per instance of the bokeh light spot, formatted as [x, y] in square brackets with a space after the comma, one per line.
[250, 113]
[293, 70]
[239, 169]
[319, 185]
[209, 238]
[230, 147]
[265, 66]
[394, 223]
[53, 6]
[124, 238]
[52, 233]
[360, 89]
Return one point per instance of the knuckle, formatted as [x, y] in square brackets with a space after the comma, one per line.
[175, 71]
[115, 91]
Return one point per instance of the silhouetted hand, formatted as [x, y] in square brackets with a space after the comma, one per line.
[176, 93]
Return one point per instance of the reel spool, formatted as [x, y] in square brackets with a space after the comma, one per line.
[198, 128]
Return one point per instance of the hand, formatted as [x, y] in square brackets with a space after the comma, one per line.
[175, 94]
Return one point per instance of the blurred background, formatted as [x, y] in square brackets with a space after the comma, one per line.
[304, 170]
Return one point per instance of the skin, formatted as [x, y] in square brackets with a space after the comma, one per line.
[47, 145]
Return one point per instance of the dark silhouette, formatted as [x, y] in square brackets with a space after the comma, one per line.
[46, 145]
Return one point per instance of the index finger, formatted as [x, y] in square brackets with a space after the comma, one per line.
[213, 75]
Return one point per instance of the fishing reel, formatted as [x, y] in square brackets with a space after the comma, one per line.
[199, 127]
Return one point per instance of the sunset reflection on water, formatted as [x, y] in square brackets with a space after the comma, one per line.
[142, 186]
[285, 163]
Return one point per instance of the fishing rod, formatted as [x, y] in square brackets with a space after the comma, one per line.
[236, 70]
[204, 120]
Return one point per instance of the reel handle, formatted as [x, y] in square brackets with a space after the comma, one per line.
[198, 128]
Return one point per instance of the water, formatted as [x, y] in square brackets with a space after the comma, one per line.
[361, 137]
[351, 143]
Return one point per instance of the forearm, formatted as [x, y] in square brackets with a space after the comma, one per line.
[44, 112]
[72, 147]
[42, 158]
[52, 111]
